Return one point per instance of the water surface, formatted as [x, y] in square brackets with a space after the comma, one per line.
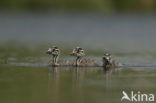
[25, 76]
[65, 85]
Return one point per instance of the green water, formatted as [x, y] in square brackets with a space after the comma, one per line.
[24, 84]
[25, 76]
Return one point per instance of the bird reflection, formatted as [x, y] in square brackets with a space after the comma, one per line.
[59, 75]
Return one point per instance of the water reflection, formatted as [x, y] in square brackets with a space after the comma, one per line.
[67, 85]
[79, 74]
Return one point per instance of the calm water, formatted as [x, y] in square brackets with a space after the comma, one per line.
[67, 85]
[130, 38]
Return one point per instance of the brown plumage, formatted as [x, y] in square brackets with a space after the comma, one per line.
[55, 52]
[79, 53]
[108, 62]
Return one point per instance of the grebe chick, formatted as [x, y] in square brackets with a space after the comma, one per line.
[79, 53]
[55, 52]
[108, 62]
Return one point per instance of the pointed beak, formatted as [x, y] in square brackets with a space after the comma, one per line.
[49, 51]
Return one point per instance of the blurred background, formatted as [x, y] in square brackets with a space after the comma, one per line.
[111, 22]
[120, 26]
[80, 5]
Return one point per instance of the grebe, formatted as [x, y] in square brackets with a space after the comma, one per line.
[79, 53]
[55, 52]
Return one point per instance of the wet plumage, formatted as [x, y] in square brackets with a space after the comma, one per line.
[108, 62]
[79, 53]
[55, 52]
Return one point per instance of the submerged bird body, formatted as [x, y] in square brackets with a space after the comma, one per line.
[84, 62]
[78, 52]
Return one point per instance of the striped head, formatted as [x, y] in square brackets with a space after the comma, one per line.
[75, 51]
[51, 50]
[78, 52]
